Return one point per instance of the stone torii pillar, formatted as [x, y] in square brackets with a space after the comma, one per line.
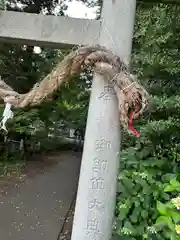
[96, 194]
[98, 176]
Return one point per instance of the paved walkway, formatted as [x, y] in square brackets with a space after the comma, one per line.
[35, 209]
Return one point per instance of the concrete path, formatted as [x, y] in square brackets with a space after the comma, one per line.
[36, 208]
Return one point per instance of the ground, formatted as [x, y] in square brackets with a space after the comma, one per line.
[65, 233]
[39, 203]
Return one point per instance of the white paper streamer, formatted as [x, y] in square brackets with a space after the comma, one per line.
[7, 114]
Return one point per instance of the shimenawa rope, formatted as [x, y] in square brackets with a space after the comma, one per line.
[99, 59]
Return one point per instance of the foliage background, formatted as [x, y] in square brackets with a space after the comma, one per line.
[151, 162]
[149, 173]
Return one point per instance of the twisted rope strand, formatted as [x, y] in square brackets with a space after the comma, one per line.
[97, 58]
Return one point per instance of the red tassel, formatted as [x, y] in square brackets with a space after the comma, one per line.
[131, 123]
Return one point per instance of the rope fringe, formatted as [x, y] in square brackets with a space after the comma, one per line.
[97, 58]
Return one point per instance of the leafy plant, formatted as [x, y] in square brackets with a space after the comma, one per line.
[149, 164]
[168, 220]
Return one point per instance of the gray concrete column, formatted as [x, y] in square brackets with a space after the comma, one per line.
[98, 176]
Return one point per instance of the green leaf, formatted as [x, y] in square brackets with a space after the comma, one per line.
[173, 186]
[171, 224]
[168, 234]
[174, 237]
[123, 213]
[175, 216]
[135, 214]
[120, 188]
[144, 214]
[163, 221]
[129, 226]
[169, 188]
[162, 209]
[128, 183]
[175, 183]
